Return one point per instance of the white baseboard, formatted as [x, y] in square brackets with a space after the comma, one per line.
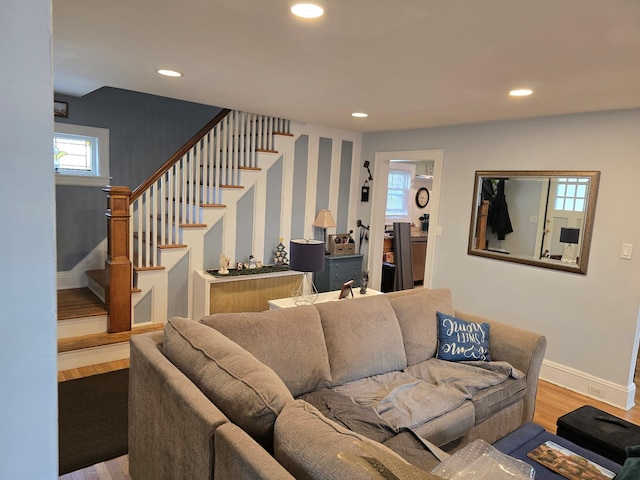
[619, 396]
[77, 277]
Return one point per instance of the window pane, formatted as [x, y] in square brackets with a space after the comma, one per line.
[559, 203]
[581, 191]
[561, 190]
[568, 204]
[398, 184]
[579, 205]
[72, 152]
[571, 191]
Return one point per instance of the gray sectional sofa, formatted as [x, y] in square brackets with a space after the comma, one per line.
[310, 391]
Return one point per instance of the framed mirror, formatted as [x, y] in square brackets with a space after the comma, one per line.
[541, 218]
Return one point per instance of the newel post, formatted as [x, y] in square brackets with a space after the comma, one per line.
[118, 271]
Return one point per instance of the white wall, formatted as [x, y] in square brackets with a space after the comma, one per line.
[28, 399]
[590, 321]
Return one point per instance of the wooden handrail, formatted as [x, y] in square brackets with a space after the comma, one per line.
[178, 155]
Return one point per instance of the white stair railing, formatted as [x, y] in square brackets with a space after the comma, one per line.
[172, 197]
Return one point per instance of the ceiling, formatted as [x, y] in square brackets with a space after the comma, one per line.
[408, 63]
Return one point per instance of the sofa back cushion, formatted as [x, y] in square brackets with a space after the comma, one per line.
[289, 340]
[416, 311]
[363, 338]
[248, 392]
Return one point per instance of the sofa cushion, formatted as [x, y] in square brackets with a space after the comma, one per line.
[459, 340]
[450, 426]
[311, 446]
[401, 399]
[494, 399]
[289, 340]
[363, 338]
[244, 389]
[416, 312]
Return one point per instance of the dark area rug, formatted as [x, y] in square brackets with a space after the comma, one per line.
[92, 419]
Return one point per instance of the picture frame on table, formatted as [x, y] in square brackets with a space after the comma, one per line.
[346, 290]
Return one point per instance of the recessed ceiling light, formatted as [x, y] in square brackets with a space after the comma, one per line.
[307, 10]
[359, 114]
[169, 73]
[521, 92]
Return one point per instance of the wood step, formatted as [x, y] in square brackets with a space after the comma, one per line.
[79, 303]
[98, 276]
[102, 339]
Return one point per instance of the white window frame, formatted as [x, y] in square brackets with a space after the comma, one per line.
[571, 194]
[99, 177]
[410, 170]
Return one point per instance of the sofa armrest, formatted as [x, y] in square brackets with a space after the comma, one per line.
[239, 456]
[521, 348]
[171, 422]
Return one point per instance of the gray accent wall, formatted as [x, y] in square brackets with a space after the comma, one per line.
[244, 226]
[144, 131]
[344, 190]
[323, 182]
[300, 167]
[178, 291]
[142, 310]
[272, 231]
[213, 246]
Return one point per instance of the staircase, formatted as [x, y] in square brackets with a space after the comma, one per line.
[169, 217]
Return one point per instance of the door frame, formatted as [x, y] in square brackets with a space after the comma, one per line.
[378, 207]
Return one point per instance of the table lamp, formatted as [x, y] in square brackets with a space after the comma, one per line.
[569, 236]
[306, 256]
[324, 220]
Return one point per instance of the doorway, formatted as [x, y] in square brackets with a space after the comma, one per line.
[378, 207]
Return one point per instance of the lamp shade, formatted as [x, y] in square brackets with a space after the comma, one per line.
[569, 235]
[324, 219]
[306, 255]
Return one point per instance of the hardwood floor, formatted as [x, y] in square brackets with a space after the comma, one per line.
[92, 370]
[552, 402]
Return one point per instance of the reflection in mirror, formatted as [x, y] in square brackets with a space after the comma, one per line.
[542, 218]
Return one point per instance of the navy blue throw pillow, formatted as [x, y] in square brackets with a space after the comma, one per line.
[461, 340]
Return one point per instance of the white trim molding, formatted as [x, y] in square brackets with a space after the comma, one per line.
[619, 396]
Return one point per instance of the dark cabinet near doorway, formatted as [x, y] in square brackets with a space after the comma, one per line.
[339, 269]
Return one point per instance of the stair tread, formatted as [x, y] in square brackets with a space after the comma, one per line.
[101, 339]
[99, 276]
[79, 303]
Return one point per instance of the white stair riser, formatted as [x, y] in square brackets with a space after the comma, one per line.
[96, 288]
[75, 327]
[93, 356]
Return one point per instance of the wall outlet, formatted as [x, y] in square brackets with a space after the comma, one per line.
[595, 390]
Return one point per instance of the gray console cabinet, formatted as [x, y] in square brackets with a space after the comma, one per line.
[337, 270]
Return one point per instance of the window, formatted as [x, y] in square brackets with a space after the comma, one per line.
[398, 191]
[571, 194]
[81, 155]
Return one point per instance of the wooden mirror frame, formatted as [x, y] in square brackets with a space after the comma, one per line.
[587, 226]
